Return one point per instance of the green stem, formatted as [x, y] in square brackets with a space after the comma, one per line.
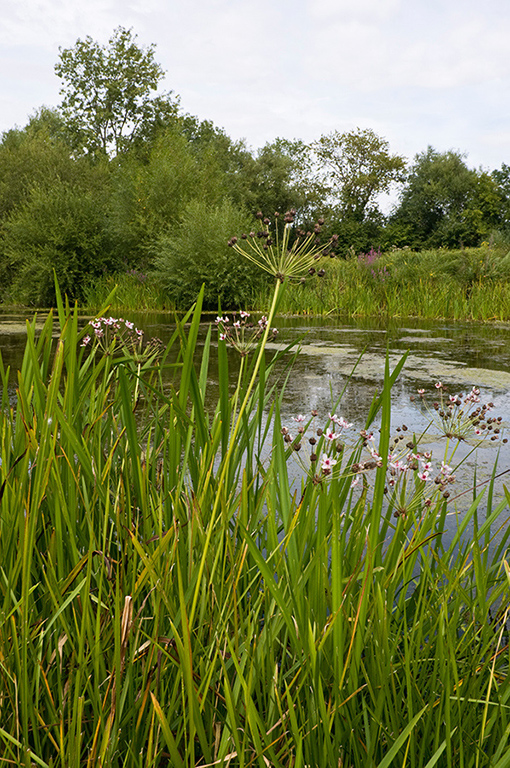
[251, 385]
[236, 395]
[232, 442]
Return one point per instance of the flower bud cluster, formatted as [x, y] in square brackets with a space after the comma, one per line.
[412, 482]
[325, 445]
[114, 335]
[462, 417]
[242, 333]
[283, 250]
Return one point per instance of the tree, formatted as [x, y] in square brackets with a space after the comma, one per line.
[150, 197]
[35, 154]
[354, 168]
[60, 227]
[279, 179]
[108, 102]
[196, 253]
[445, 203]
[502, 179]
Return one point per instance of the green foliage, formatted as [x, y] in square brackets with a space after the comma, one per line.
[196, 253]
[58, 228]
[168, 597]
[147, 166]
[131, 290]
[467, 284]
[149, 198]
[107, 91]
[355, 167]
[36, 154]
[444, 203]
[502, 178]
[279, 179]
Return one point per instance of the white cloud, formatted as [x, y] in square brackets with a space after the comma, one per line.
[416, 71]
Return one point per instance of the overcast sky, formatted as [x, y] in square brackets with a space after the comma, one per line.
[418, 72]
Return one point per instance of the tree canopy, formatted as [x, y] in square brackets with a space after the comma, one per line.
[107, 91]
[445, 203]
[355, 167]
[118, 178]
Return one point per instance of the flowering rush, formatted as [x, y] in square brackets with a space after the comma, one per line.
[240, 332]
[325, 445]
[112, 332]
[282, 249]
[462, 416]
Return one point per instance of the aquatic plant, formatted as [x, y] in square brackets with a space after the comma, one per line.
[169, 597]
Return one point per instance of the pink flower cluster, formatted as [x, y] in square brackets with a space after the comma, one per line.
[460, 417]
[111, 332]
[326, 441]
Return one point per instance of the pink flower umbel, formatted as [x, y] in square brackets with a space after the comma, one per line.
[242, 334]
[114, 335]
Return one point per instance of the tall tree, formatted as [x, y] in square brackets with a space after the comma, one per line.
[502, 178]
[354, 168]
[108, 92]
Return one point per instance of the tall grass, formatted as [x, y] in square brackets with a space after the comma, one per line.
[471, 284]
[133, 290]
[168, 599]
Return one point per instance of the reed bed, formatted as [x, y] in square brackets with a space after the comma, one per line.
[470, 284]
[168, 599]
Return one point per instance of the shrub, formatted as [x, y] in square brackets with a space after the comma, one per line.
[197, 253]
[60, 228]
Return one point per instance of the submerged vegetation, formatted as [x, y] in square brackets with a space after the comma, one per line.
[169, 596]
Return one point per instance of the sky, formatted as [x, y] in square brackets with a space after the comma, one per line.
[417, 72]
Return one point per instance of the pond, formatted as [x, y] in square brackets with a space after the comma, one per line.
[460, 355]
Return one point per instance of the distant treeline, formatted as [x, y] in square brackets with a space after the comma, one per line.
[116, 179]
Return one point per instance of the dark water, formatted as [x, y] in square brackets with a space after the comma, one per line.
[460, 355]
